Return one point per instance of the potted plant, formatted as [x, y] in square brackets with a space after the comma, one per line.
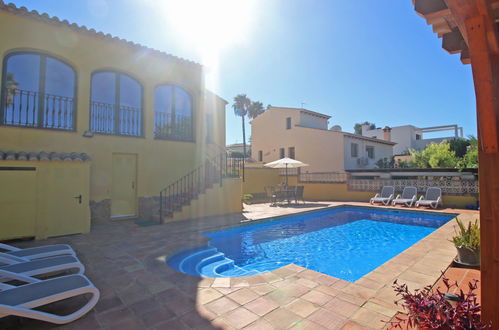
[467, 242]
[247, 198]
[430, 309]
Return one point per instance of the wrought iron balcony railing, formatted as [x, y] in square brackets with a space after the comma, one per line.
[170, 126]
[112, 119]
[38, 110]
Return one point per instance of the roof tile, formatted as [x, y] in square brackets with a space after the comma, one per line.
[23, 11]
[44, 156]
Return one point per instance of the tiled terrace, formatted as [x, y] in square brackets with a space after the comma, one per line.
[127, 263]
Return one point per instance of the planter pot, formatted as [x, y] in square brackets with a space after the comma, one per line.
[467, 256]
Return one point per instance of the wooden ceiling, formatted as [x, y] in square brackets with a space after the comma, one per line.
[442, 16]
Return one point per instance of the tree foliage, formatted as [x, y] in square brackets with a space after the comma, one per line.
[459, 146]
[243, 107]
[470, 159]
[435, 156]
[358, 127]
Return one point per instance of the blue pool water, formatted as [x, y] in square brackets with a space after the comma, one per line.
[344, 242]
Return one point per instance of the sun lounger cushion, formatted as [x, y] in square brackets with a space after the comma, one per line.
[28, 266]
[35, 291]
[41, 250]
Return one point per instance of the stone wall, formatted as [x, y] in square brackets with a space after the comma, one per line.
[100, 212]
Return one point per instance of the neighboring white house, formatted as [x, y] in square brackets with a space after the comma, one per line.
[239, 148]
[410, 137]
[304, 135]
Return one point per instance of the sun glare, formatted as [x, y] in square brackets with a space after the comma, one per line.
[210, 27]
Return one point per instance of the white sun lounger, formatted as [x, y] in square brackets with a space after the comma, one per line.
[433, 198]
[407, 198]
[38, 252]
[385, 197]
[41, 267]
[21, 300]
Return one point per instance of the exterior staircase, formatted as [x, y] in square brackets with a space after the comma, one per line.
[189, 187]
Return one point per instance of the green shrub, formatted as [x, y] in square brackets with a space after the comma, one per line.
[468, 237]
[247, 198]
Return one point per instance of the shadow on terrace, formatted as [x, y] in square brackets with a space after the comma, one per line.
[138, 290]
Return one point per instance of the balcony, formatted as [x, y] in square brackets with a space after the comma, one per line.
[171, 126]
[25, 108]
[111, 119]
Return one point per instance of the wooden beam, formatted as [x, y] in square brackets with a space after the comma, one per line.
[425, 7]
[453, 42]
[485, 66]
[465, 56]
[464, 9]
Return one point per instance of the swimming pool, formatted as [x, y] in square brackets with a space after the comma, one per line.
[344, 242]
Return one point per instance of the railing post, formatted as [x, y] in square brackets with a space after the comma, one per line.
[244, 157]
[221, 170]
[161, 206]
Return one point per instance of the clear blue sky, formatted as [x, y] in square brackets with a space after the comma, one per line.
[355, 60]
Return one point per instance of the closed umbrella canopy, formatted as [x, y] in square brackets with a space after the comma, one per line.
[286, 163]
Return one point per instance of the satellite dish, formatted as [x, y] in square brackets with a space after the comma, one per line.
[336, 128]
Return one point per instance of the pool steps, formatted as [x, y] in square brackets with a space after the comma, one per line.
[207, 261]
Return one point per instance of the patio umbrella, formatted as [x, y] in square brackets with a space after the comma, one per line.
[286, 163]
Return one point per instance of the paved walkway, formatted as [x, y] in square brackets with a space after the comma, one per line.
[127, 263]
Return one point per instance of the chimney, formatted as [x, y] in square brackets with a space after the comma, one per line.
[387, 135]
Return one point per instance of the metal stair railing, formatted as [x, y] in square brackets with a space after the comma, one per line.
[182, 191]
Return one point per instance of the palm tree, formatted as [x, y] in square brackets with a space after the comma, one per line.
[255, 109]
[241, 106]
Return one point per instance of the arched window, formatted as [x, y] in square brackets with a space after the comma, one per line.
[173, 115]
[116, 105]
[38, 91]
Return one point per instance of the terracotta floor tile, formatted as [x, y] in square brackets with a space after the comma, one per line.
[351, 299]
[308, 283]
[171, 324]
[301, 307]
[114, 316]
[157, 316]
[350, 325]
[327, 319]
[284, 272]
[243, 296]
[240, 317]
[359, 291]
[307, 325]
[194, 321]
[221, 283]
[327, 290]
[262, 289]
[369, 318]
[282, 297]
[380, 308]
[282, 318]
[341, 307]
[296, 289]
[206, 295]
[221, 305]
[260, 324]
[261, 306]
[317, 297]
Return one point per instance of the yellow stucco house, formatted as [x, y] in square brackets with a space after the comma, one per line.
[96, 127]
[304, 134]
